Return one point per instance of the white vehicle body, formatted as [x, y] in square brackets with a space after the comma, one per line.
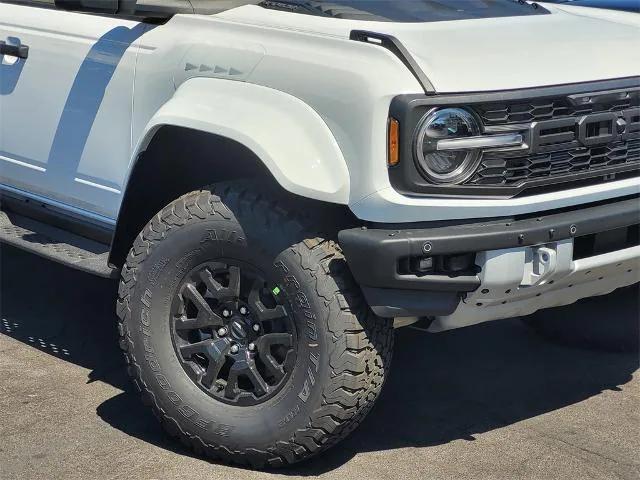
[310, 103]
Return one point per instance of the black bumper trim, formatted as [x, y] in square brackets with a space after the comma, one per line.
[373, 253]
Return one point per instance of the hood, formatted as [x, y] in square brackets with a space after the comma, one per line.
[489, 54]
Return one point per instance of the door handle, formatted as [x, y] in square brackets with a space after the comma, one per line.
[20, 51]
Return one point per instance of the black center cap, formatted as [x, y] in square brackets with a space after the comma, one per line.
[237, 330]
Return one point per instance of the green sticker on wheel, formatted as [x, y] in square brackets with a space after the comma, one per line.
[276, 291]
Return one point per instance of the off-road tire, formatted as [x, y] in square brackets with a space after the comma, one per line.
[344, 353]
[607, 323]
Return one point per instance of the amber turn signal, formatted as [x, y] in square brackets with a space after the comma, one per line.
[393, 153]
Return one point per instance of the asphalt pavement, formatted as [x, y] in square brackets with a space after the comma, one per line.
[487, 402]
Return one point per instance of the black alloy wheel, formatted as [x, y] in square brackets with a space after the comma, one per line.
[232, 336]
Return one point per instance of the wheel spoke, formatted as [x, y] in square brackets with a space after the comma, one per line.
[266, 341]
[260, 311]
[213, 286]
[211, 374]
[289, 361]
[213, 349]
[256, 379]
[234, 281]
[219, 292]
[254, 294]
[273, 368]
[192, 349]
[230, 390]
[263, 345]
[192, 293]
[206, 317]
[201, 321]
[272, 313]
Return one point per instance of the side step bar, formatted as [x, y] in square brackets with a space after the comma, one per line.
[56, 244]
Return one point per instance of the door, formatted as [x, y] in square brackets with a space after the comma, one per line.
[65, 108]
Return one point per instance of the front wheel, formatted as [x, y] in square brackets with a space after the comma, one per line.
[245, 333]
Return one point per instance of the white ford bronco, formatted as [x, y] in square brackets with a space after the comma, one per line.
[278, 184]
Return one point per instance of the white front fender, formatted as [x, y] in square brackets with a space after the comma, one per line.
[287, 135]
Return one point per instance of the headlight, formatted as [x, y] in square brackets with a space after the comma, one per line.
[446, 165]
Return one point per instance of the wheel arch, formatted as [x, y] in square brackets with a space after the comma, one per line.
[200, 137]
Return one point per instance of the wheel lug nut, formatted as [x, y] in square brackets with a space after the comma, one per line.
[256, 327]
[226, 313]
[222, 331]
[244, 310]
[252, 347]
[234, 348]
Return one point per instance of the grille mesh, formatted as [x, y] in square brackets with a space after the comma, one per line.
[496, 169]
[545, 109]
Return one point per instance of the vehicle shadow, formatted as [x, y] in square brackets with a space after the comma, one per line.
[442, 387]
[85, 99]
[10, 71]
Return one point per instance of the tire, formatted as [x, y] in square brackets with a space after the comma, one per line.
[608, 323]
[341, 351]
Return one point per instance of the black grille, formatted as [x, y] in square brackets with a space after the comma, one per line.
[545, 109]
[498, 169]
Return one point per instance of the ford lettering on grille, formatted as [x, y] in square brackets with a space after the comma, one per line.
[588, 130]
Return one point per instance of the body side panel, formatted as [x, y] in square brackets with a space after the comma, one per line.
[68, 106]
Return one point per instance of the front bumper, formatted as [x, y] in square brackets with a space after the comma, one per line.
[521, 265]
